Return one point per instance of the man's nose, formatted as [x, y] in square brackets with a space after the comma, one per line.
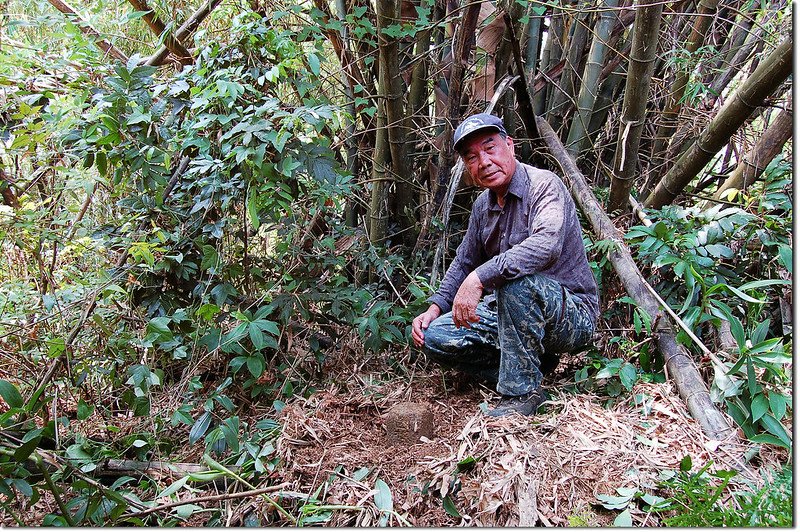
[483, 159]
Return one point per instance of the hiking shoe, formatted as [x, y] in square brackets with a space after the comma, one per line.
[525, 405]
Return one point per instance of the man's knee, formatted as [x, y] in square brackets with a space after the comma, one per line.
[438, 339]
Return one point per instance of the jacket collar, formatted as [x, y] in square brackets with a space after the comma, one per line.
[517, 187]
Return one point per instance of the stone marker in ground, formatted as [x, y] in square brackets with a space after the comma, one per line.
[406, 422]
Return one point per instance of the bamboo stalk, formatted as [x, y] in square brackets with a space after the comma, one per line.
[185, 30]
[578, 136]
[391, 88]
[563, 98]
[755, 162]
[637, 90]
[672, 108]
[769, 75]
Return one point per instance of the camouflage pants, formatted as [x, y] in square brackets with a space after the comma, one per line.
[535, 320]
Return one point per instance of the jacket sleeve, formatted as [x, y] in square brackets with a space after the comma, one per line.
[468, 256]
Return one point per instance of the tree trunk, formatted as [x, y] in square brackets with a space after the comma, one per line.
[767, 148]
[379, 202]
[158, 28]
[577, 139]
[680, 366]
[464, 41]
[388, 13]
[634, 107]
[763, 82]
[551, 56]
[672, 108]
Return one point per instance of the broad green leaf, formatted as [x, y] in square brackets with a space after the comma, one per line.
[10, 394]
[764, 282]
[26, 449]
[624, 520]
[686, 463]
[627, 375]
[252, 209]
[759, 406]
[361, 473]
[752, 383]
[23, 487]
[84, 410]
[200, 427]
[654, 501]
[744, 296]
[256, 336]
[186, 510]
[777, 404]
[450, 507]
[466, 464]
[785, 256]
[613, 502]
[776, 428]
[255, 365]
[383, 501]
[313, 63]
[769, 439]
[172, 488]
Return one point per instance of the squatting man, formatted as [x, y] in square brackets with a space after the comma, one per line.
[523, 251]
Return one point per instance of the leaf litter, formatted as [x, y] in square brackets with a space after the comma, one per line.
[482, 471]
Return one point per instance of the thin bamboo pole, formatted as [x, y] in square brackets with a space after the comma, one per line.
[577, 139]
[755, 162]
[637, 89]
[769, 75]
[86, 28]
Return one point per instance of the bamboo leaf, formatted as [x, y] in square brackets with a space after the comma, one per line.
[450, 507]
[758, 407]
[200, 427]
[776, 428]
[624, 520]
[174, 487]
[10, 394]
[383, 501]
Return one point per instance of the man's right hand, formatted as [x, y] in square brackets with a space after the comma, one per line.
[421, 323]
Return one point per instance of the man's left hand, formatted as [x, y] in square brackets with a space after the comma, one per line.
[466, 301]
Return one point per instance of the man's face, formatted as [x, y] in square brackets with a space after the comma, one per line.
[490, 161]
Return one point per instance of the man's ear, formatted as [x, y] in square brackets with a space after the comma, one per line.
[510, 143]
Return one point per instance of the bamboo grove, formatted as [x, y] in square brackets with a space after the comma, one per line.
[217, 194]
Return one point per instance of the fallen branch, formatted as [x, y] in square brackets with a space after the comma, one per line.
[208, 498]
[679, 364]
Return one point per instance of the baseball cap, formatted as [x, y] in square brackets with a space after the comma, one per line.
[475, 123]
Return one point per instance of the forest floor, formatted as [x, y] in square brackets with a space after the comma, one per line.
[547, 470]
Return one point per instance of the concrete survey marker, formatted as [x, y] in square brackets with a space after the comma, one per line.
[406, 422]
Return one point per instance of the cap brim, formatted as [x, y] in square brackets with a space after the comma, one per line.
[460, 141]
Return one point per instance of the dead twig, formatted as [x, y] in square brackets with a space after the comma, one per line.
[208, 498]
